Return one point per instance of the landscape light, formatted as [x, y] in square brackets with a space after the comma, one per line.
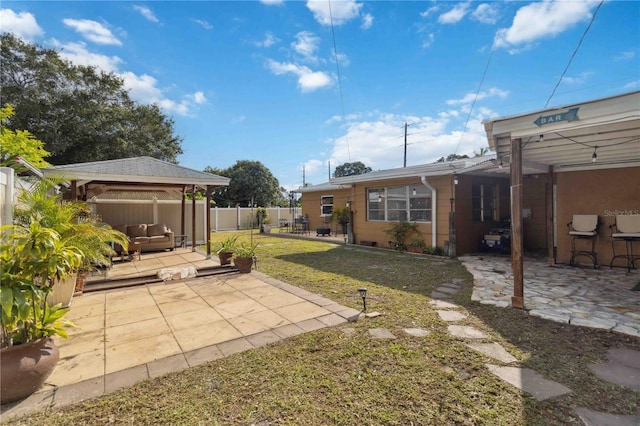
[363, 294]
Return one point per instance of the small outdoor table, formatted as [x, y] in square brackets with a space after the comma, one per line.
[180, 240]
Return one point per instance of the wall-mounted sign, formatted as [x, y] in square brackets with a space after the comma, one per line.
[568, 116]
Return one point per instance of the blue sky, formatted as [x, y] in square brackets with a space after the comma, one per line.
[304, 85]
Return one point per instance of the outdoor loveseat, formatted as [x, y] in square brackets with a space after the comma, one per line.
[152, 237]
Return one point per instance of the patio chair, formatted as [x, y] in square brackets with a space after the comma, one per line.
[584, 227]
[627, 229]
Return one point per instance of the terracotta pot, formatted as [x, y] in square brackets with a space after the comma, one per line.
[24, 368]
[243, 264]
[81, 282]
[225, 257]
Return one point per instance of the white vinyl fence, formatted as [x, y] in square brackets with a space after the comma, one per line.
[116, 212]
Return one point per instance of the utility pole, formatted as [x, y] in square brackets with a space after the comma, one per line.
[405, 144]
[329, 167]
[303, 177]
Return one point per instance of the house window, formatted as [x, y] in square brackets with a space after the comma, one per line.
[483, 203]
[410, 203]
[326, 205]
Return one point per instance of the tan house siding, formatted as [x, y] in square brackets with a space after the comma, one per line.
[534, 199]
[311, 205]
[601, 192]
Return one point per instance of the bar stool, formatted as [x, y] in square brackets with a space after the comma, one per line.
[584, 227]
[627, 229]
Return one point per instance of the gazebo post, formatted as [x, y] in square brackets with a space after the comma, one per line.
[184, 197]
[193, 217]
[207, 231]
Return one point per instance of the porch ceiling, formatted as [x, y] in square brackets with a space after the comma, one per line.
[608, 127]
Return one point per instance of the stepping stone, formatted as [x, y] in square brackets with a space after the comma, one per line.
[381, 333]
[372, 314]
[441, 304]
[451, 316]
[466, 332]
[529, 381]
[438, 295]
[622, 368]
[493, 350]
[597, 418]
[348, 331]
[417, 332]
[448, 290]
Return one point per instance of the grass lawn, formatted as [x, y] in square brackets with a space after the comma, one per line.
[334, 377]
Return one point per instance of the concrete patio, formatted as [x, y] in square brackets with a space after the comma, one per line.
[127, 335]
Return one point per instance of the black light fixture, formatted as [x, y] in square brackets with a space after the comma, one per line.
[541, 138]
[455, 179]
[363, 294]
[594, 157]
[500, 166]
[414, 191]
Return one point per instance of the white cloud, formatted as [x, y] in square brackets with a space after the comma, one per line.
[543, 20]
[367, 21]
[146, 12]
[92, 31]
[632, 85]
[379, 142]
[199, 98]
[239, 119]
[306, 44]
[623, 56]
[426, 43]
[340, 12]
[308, 80]
[204, 24]
[272, 2]
[429, 12]
[268, 41]
[21, 24]
[486, 13]
[469, 97]
[582, 78]
[78, 54]
[455, 15]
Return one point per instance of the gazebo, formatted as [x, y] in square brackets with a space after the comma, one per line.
[143, 178]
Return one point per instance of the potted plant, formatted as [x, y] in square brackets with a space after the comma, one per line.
[33, 258]
[244, 256]
[76, 225]
[416, 245]
[262, 215]
[400, 231]
[226, 248]
[341, 215]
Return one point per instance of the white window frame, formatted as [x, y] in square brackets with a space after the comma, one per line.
[323, 205]
[381, 195]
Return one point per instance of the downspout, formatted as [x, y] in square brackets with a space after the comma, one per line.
[434, 204]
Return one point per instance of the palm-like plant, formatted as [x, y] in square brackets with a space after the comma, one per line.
[72, 220]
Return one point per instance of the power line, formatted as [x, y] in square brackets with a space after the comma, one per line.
[574, 53]
[335, 54]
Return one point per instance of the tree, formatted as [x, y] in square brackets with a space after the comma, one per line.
[482, 152]
[451, 157]
[19, 143]
[350, 169]
[79, 112]
[250, 182]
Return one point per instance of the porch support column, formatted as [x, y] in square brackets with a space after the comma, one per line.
[517, 300]
[193, 218]
[74, 190]
[207, 231]
[551, 257]
[183, 206]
